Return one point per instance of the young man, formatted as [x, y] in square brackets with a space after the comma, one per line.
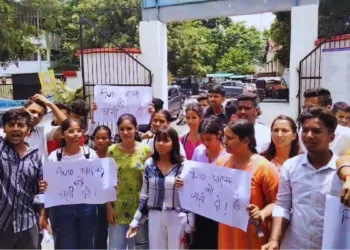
[231, 111]
[305, 180]
[79, 109]
[216, 99]
[340, 111]
[322, 98]
[203, 100]
[37, 107]
[20, 173]
[247, 108]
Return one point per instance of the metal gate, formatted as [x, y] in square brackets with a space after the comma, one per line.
[310, 67]
[105, 62]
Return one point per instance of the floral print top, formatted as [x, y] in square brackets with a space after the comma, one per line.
[130, 173]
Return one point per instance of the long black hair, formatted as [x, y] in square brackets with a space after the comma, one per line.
[270, 153]
[65, 126]
[244, 130]
[133, 121]
[163, 134]
[102, 127]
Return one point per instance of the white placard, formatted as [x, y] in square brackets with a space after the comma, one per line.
[336, 226]
[113, 101]
[336, 73]
[83, 181]
[218, 193]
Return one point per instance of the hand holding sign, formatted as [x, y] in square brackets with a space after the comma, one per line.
[219, 193]
[113, 101]
[75, 182]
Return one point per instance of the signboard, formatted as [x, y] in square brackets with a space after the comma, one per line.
[336, 73]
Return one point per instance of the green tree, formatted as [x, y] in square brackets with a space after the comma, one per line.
[236, 60]
[280, 34]
[21, 20]
[189, 49]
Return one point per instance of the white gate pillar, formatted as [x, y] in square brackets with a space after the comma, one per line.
[304, 33]
[154, 48]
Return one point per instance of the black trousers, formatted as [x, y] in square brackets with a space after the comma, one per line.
[27, 239]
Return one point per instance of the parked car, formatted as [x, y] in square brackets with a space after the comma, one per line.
[174, 100]
[232, 88]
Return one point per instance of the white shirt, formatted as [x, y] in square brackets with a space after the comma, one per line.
[341, 143]
[38, 138]
[304, 189]
[150, 143]
[79, 156]
[262, 137]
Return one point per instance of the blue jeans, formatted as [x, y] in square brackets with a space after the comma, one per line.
[74, 226]
[142, 237]
[117, 237]
[101, 234]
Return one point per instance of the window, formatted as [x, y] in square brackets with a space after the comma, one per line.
[226, 84]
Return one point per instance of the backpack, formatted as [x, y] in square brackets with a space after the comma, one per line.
[59, 153]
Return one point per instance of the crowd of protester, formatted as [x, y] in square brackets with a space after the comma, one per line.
[294, 165]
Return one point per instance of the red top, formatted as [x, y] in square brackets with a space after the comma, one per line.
[55, 144]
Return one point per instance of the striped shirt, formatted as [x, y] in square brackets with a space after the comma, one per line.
[158, 191]
[19, 183]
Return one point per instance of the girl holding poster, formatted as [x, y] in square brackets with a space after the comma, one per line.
[211, 132]
[240, 143]
[102, 137]
[169, 224]
[73, 226]
[130, 157]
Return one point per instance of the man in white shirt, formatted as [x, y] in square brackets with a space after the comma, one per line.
[322, 98]
[305, 180]
[37, 106]
[247, 108]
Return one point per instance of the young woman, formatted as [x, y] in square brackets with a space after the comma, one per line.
[210, 130]
[73, 226]
[130, 157]
[159, 198]
[102, 137]
[284, 143]
[191, 140]
[240, 143]
[161, 118]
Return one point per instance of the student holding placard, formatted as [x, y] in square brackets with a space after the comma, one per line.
[102, 137]
[130, 157]
[191, 140]
[168, 222]
[240, 143]
[211, 132]
[73, 226]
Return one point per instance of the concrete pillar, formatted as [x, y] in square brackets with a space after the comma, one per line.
[154, 49]
[304, 33]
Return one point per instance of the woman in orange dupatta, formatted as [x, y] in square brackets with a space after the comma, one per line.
[240, 142]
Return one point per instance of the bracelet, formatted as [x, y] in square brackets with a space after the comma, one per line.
[340, 168]
[346, 175]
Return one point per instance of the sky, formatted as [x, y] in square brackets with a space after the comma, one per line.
[260, 21]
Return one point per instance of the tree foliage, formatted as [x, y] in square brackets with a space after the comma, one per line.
[280, 34]
[21, 20]
[334, 20]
